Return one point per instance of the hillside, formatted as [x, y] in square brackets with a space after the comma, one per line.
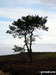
[19, 64]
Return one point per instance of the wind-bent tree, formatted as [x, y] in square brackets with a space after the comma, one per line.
[25, 27]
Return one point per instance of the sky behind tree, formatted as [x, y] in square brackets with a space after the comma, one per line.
[11, 10]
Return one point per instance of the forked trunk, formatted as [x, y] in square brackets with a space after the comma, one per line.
[29, 48]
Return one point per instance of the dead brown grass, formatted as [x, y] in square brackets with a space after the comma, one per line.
[19, 64]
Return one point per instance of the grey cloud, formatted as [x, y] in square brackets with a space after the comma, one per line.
[48, 1]
[17, 3]
[10, 3]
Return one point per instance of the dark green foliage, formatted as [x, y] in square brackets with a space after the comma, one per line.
[28, 24]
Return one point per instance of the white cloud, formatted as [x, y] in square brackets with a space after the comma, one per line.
[49, 39]
[12, 41]
[5, 49]
[44, 47]
[4, 26]
[16, 13]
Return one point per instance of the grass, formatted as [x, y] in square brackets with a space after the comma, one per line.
[19, 64]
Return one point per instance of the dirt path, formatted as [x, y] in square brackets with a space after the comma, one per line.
[2, 73]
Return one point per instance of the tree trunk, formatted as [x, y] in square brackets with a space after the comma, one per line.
[30, 55]
[30, 50]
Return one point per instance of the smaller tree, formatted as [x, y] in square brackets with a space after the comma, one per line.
[18, 49]
[25, 27]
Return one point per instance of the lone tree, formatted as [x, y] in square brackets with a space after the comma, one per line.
[24, 27]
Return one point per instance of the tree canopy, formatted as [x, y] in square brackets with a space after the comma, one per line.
[24, 27]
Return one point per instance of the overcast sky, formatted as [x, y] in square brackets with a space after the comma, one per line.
[11, 10]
